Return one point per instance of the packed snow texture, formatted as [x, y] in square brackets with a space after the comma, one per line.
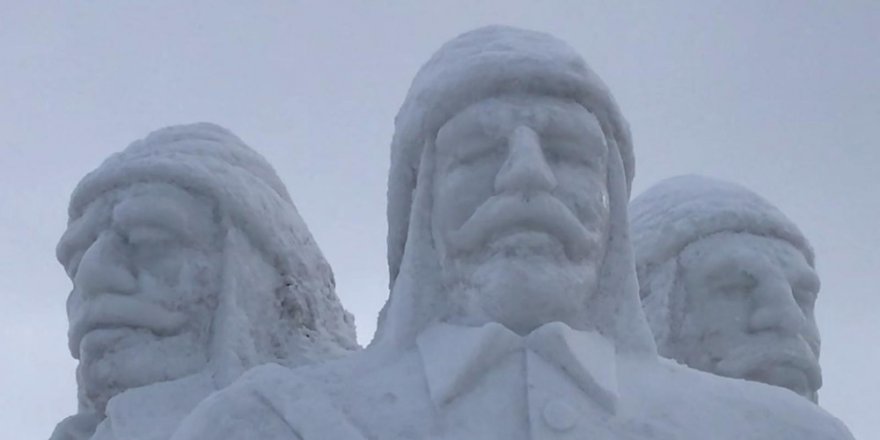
[190, 265]
[518, 118]
[727, 282]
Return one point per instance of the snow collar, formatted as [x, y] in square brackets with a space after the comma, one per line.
[455, 358]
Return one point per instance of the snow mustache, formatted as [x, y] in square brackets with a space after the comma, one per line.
[121, 311]
[510, 213]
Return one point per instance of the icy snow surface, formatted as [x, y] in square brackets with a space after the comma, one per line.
[520, 338]
[727, 282]
[190, 265]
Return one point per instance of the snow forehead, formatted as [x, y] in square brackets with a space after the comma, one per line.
[174, 154]
[679, 210]
[504, 42]
[492, 61]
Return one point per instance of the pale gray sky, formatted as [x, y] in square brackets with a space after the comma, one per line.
[780, 96]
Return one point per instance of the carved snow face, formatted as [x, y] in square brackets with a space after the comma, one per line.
[145, 289]
[520, 209]
[748, 312]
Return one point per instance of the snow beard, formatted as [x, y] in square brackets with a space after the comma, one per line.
[115, 360]
[522, 282]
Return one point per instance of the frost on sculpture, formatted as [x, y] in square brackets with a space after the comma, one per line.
[190, 264]
[514, 309]
[727, 283]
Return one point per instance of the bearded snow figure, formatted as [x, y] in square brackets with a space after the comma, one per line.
[727, 282]
[514, 309]
[190, 264]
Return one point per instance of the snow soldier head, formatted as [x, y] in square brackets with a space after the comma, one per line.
[510, 174]
[187, 254]
[728, 283]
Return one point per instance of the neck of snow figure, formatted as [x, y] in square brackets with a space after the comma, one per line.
[522, 271]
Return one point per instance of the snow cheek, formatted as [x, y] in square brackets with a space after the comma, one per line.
[579, 164]
[716, 310]
[459, 189]
[179, 278]
[585, 193]
[810, 333]
[717, 315]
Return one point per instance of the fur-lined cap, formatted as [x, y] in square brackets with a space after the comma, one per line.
[680, 210]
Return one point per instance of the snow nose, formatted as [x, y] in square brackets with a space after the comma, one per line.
[525, 168]
[104, 267]
[776, 310]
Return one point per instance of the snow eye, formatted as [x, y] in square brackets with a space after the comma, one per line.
[553, 156]
[563, 151]
[740, 285]
[735, 291]
[475, 152]
[147, 235]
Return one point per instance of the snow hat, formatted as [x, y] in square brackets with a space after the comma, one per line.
[474, 66]
[683, 209]
[480, 64]
[209, 160]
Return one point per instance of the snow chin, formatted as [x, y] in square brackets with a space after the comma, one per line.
[523, 281]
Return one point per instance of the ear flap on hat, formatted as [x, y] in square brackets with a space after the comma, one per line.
[231, 351]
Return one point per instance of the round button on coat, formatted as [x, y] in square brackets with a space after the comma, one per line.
[559, 415]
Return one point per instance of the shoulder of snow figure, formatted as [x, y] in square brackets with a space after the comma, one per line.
[785, 415]
[76, 427]
[700, 405]
[269, 402]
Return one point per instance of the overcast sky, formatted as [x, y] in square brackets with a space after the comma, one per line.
[782, 96]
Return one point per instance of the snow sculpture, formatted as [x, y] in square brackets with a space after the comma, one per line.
[727, 283]
[190, 264]
[514, 309]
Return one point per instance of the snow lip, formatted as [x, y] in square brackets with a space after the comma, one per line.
[112, 311]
